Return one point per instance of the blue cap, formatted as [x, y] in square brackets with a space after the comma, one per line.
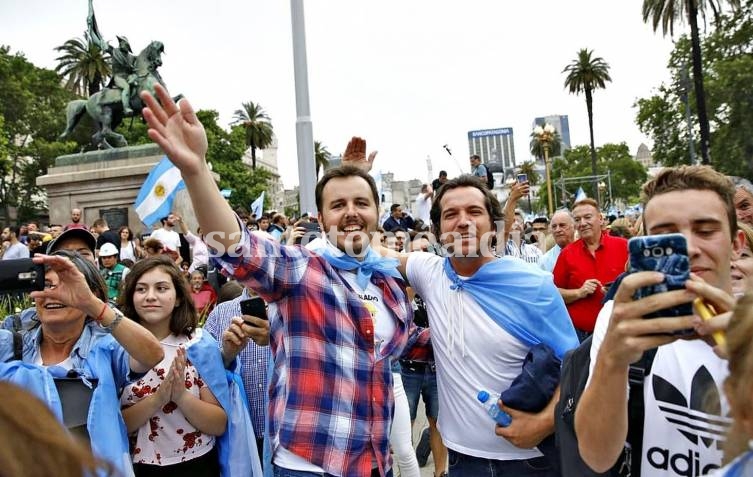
[483, 396]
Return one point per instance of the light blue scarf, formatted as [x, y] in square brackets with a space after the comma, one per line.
[522, 300]
[372, 262]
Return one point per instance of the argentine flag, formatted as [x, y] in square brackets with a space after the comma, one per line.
[257, 206]
[155, 199]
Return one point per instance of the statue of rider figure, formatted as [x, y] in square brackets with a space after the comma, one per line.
[123, 61]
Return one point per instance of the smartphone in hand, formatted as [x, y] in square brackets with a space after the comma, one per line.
[668, 254]
[254, 307]
[522, 178]
[21, 275]
[312, 232]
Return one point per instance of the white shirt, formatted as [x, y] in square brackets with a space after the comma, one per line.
[472, 353]
[423, 207]
[199, 251]
[678, 429]
[169, 238]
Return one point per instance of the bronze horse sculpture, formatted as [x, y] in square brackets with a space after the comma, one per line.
[106, 107]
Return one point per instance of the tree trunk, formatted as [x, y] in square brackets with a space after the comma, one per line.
[253, 157]
[700, 95]
[589, 106]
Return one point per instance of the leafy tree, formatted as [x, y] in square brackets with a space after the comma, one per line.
[321, 156]
[537, 148]
[728, 63]
[84, 64]
[666, 13]
[225, 153]
[584, 75]
[627, 174]
[31, 102]
[257, 125]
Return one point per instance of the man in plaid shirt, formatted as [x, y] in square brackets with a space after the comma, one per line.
[330, 393]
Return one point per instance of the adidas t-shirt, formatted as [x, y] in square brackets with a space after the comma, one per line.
[686, 411]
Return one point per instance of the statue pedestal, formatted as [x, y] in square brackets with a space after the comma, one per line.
[105, 184]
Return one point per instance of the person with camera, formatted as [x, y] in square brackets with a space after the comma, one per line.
[684, 422]
[88, 348]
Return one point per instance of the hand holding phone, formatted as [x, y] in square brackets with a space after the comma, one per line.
[668, 254]
[523, 178]
[254, 307]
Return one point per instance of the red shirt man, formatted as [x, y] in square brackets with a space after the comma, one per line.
[587, 266]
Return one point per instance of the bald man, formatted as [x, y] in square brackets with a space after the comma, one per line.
[563, 230]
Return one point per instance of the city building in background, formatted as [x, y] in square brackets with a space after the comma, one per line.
[267, 159]
[561, 124]
[644, 156]
[494, 146]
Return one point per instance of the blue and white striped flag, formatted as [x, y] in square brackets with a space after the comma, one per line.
[257, 206]
[580, 195]
[155, 199]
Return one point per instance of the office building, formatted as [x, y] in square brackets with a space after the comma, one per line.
[561, 124]
[494, 146]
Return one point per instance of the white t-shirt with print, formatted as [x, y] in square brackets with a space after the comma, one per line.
[681, 436]
[472, 353]
[167, 438]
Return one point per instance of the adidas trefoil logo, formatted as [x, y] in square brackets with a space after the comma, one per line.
[695, 418]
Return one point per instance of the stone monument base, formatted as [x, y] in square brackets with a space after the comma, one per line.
[105, 184]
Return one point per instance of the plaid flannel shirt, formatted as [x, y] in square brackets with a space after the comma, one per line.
[331, 399]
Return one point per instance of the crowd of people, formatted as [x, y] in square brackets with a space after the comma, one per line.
[155, 368]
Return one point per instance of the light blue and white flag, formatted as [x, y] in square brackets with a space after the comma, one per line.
[580, 195]
[155, 199]
[257, 206]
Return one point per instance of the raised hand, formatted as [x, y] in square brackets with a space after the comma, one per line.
[177, 130]
[355, 154]
[72, 289]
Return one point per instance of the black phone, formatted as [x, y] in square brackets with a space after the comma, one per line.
[522, 178]
[21, 275]
[254, 307]
[668, 254]
[312, 232]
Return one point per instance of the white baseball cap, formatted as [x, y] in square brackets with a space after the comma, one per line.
[108, 250]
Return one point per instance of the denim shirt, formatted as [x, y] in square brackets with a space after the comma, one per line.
[96, 355]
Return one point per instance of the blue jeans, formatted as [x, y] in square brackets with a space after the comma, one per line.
[280, 472]
[420, 379]
[462, 465]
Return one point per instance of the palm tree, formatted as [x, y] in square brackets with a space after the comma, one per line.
[537, 149]
[256, 122]
[666, 13]
[584, 75]
[84, 64]
[321, 156]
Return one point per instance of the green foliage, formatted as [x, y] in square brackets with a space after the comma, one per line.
[626, 173]
[12, 304]
[728, 66]
[84, 64]
[32, 103]
[225, 154]
[321, 156]
[257, 126]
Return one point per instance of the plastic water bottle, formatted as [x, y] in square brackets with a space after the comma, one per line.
[499, 416]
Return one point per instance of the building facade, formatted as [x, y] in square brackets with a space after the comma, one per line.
[495, 147]
[267, 159]
[561, 124]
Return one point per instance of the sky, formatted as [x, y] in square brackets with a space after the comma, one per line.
[409, 76]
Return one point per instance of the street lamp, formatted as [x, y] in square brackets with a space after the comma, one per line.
[545, 136]
[602, 189]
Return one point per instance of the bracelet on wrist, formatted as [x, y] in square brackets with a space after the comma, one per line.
[110, 327]
[101, 315]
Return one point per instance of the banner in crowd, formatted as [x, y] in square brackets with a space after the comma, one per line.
[155, 199]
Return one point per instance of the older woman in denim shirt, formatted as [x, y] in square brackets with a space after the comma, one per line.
[81, 341]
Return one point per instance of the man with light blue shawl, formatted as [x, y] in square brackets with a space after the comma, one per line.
[486, 313]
